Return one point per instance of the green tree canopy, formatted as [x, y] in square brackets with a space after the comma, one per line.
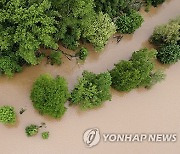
[91, 90]
[49, 95]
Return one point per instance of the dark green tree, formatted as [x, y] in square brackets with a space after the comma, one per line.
[127, 23]
[169, 54]
[167, 33]
[137, 72]
[91, 90]
[49, 95]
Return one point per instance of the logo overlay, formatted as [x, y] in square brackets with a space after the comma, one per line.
[91, 137]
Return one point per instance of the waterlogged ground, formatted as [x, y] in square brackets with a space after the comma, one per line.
[140, 111]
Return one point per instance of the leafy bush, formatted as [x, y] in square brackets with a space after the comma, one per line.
[134, 73]
[49, 95]
[143, 61]
[124, 76]
[99, 30]
[55, 57]
[82, 54]
[169, 54]
[7, 115]
[45, 135]
[32, 130]
[167, 34]
[92, 90]
[129, 22]
[156, 77]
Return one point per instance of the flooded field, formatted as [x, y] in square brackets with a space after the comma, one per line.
[140, 111]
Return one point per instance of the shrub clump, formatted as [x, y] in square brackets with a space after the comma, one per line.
[154, 3]
[7, 115]
[45, 135]
[99, 30]
[9, 66]
[127, 23]
[134, 73]
[55, 57]
[49, 95]
[167, 34]
[32, 130]
[169, 54]
[156, 77]
[82, 54]
[92, 90]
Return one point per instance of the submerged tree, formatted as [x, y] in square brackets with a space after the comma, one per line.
[49, 95]
[7, 115]
[137, 72]
[167, 33]
[91, 90]
[127, 23]
[169, 54]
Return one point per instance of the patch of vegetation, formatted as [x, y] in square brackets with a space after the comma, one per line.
[9, 66]
[45, 135]
[25, 26]
[114, 8]
[31, 130]
[127, 23]
[55, 57]
[7, 115]
[169, 54]
[156, 77]
[154, 3]
[167, 34]
[99, 30]
[49, 95]
[166, 38]
[137, 72]
[91, 90]
[82, 54]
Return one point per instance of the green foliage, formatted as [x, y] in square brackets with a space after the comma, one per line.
[45, 135]
[124, 76]
[82, 54]
[26, 26]
[7, 115]
[49, 95]
[72, 14]
[167, 34]
[9, 66]
[32, 130]
[127, 23]
[156, 77]
[92, 90]
[134, 73]
[99, 30]
[55, 57]
[143, 61]
[154, 3]
[169, 54]
[114, 7]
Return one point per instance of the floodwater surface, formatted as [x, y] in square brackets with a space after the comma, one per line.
[140, 111]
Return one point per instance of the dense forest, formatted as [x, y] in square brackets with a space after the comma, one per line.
[29, 25]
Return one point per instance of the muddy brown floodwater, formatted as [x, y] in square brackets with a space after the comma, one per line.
[139, 111]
